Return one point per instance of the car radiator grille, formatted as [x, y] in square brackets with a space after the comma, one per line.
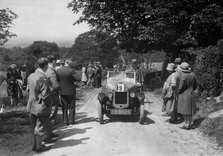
[121, 97]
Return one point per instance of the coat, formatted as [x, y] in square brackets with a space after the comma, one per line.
[186, 101]
[52, 76]
[39, 101]
[67, 77]
[170, 92]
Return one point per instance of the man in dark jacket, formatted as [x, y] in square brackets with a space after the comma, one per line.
[39, 104]
[67, 77]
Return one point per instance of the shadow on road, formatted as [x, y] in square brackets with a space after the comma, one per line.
[66, 132]
[83, 118]
[70, 132]
[70, 142]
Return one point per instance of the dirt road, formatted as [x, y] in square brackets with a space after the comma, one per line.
[122, 137]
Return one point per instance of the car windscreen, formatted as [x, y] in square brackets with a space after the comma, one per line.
[115, 77]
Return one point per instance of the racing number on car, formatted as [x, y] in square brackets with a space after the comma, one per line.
[120, 87]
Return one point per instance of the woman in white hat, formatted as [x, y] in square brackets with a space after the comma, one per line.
[170, 90]
[186, 102]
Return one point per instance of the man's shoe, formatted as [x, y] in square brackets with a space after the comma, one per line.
[54, 135]
[185, 127]
[49, 140]
[43, 148]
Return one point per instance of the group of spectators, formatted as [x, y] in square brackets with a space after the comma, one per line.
[14, 79]
[92, 75]
[49, 84]
[179, 93]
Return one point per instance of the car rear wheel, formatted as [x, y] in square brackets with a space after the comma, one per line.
[100, 113]
[141, 114]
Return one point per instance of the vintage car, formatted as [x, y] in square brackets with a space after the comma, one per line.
[121, 96]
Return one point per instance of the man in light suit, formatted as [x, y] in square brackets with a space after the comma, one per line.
[39, 104]
[67, 77]
[54, 88]
[51, 74]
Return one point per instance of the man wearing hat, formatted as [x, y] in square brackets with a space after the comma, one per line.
[186, 101]
[39, 104]
[51, 74]
[170, 90]
[67, 77]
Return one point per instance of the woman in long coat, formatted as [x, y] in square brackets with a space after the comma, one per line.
[170, 90]
[186, 101]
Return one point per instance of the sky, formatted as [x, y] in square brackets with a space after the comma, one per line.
[43, 20]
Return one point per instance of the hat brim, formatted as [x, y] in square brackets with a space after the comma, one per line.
[168, 69]
[185, 70]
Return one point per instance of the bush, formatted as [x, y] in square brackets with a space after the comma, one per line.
[208, 68]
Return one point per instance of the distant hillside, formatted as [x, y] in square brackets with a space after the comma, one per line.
[24, 44]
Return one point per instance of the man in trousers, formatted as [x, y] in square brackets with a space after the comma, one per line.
[67, 77]
[54, 88]
[39, 104]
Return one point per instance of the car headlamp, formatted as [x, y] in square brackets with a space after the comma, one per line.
[110, 95]
[101, 96]
[132, 94]
[141, 96]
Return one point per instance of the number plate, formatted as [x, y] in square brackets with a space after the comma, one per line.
[120, 87]
[121, 111]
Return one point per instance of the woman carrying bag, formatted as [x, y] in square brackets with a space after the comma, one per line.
[170, 91]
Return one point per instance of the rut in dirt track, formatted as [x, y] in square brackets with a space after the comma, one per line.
[126, 137]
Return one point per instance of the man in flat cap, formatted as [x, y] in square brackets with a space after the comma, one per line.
[39, 104]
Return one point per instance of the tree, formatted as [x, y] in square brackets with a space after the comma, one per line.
[6, 18]
[46, 47]
[93, 46]
[155, 24]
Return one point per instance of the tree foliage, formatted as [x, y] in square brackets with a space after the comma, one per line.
[147, 24]
[6, 19]
[46, 47]
[94, 46]
[209, 68]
